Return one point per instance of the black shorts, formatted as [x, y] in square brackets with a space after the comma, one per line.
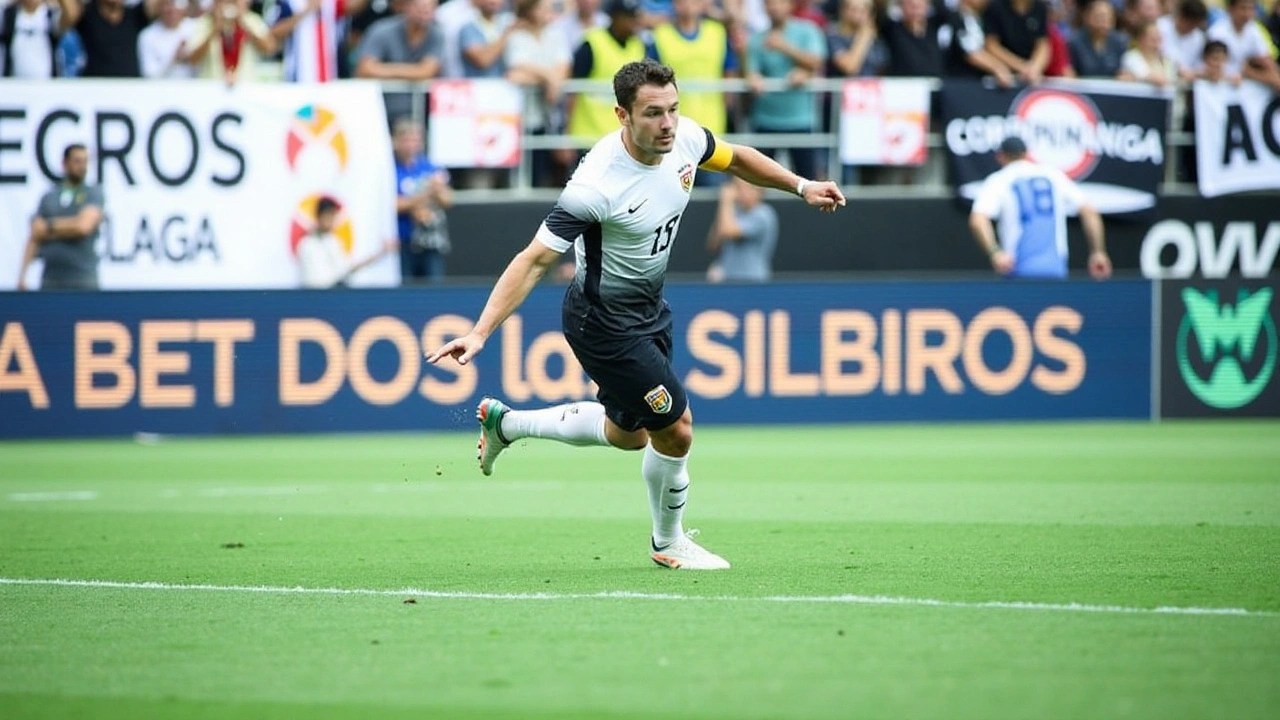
[638, 386]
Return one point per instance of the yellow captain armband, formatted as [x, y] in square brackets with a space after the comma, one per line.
[720, 155]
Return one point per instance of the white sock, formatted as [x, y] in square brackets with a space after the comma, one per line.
[668, 482]
[579, 423]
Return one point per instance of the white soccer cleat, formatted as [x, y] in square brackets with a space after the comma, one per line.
[685, 554]
[489, 413]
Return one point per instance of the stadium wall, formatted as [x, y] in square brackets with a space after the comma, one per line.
[300, 361]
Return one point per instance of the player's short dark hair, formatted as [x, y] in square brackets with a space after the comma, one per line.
[632, 76]
[326, 204]
[1214, 46]
[1193, 10]
[66, 152]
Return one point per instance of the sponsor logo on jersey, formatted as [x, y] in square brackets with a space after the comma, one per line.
[659, 399]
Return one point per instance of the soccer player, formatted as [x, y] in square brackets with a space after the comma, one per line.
[1032, 202]
[620, 212]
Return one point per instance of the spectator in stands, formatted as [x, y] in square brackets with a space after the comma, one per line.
[30, 31]
[163, 50]
[794, 50]
[602, 53]
[1097, 48]
[483, 41]
[322, 260]
[1215, 64]
[407, 46]
[1017, 35]
[311, 31]
[450, 18]
[538, 59]
[230, 42]
[422, 196]
[810, 10]
[373, 11]
[1031, 202]
[697, 48]
[656, 12]
[1144, 62]
[1248, 47]
[854, 46]
[966, 51]
[1139, 12]
[1059, 64]
[1182, 36]
[743, 235]
[915, 47]
[65, 228]
[1273, 23]
[586, 15]
[109, 30]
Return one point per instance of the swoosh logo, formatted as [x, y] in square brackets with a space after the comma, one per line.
[634, 208]
[678, 490]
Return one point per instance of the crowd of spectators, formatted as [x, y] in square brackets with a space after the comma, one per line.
[541, 43]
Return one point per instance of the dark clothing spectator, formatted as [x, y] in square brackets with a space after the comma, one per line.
[1097, 59]
[1017, 30]
[109, 32]
[915, 53]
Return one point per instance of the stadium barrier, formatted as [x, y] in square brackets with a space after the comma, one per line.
[75, 364]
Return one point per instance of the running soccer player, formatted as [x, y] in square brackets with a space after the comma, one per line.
[620, 212]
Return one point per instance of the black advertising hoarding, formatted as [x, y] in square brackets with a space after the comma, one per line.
[1219, 347]
[1107, 136]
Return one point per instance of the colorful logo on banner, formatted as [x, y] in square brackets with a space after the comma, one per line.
[304, 223]
[1225, 339]
[1054, 123]
[884, 122]
[315, 127]
[475, 123]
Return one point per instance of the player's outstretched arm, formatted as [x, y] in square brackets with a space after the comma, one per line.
[758, 169]
[517, 281]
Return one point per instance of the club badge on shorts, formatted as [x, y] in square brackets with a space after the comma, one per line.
[659, 399]
[686, 181]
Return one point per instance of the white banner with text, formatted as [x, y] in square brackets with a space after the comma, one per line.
[1237, 138]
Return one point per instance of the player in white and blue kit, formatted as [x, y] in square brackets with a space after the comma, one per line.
[621, 212]
[1031, 202]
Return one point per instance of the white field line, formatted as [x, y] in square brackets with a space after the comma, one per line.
[629, 595]
[53, 496]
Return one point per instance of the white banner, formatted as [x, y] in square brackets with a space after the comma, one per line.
[475, 123]
[1237, 138]
[206, 186]
[884, 122]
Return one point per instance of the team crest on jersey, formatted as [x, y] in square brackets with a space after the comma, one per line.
[686, 177]
[659, 399]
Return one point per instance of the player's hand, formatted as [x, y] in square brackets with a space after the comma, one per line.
[825, 196]
[1099, 266]
[460, 349]
[1002, 262]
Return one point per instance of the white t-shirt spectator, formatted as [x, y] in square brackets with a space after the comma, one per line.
[1135, 64]
[158, 50]
[1186, 51]
[547, 50]
[572, 30]
[31, 51]
[321, 260]
[1241, 46]
[451, 17]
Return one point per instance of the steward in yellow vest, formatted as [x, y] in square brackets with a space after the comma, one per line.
[610, 48]
[704, 57]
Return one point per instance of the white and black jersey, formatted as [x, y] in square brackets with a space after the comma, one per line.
[621, 217]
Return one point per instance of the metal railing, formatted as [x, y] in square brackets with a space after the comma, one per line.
[930, 179]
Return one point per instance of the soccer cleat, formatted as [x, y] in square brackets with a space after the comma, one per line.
[685, 554]
[489, 413]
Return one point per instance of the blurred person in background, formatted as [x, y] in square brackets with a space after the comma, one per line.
[422, 196]
[407, 46]
[1017, 34]
[1145, 62]
[854, 50]
[915, 40]
[697, 49]
[602, 53]
[1215, 64]
[451, 16]
[109, 31]
[483, 41]
[322, 261]
[794, 50]
[65, 228]
[1138, 12]
[311, 32]
[374, 11]
[1272, 23]
[30, 32]
[1031, 202]
[538, 59]
[1059, 64]
[1249, 49]
[1182, 37]
[743, 235]
[230, 42]
[1097, 47]
[163, 48]
[967, 54]
[572, 25]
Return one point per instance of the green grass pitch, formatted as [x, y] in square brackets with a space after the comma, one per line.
[228, 565]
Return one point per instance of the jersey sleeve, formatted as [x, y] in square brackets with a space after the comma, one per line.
[989, 196]
[1073, 197]
[578, 208]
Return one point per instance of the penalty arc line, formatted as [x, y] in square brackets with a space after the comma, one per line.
[882, 600]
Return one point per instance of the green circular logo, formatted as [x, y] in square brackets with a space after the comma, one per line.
[1219, 329]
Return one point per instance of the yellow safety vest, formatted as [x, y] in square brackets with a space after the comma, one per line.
[593, 115]
[701, 58]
